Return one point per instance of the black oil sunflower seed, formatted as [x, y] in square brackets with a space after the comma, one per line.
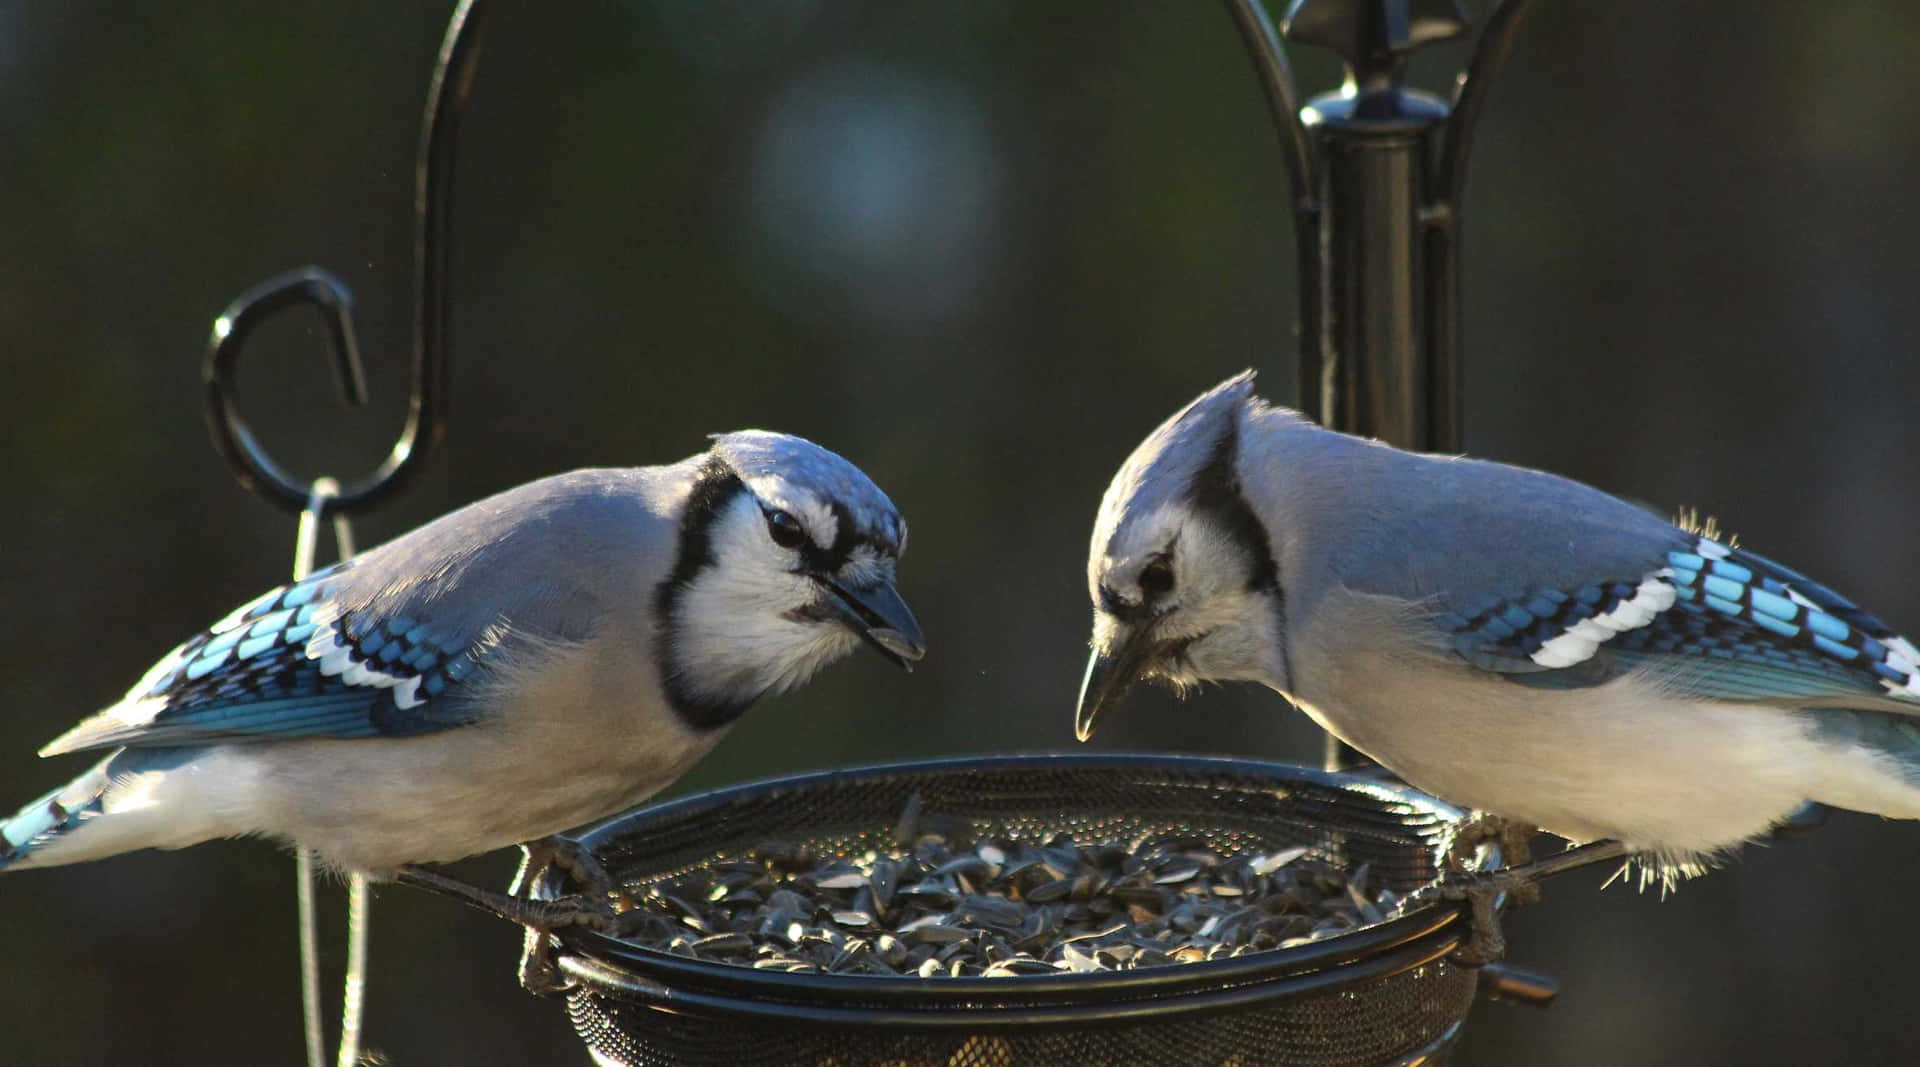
[946, 903]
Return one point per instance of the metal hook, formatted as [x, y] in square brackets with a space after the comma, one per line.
[1470, 94]
[1276, 79]
[255, 469]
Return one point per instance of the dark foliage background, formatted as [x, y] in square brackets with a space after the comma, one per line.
[980, 248]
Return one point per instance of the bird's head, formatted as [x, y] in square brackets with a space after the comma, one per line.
[1184, 585]
[786, 564]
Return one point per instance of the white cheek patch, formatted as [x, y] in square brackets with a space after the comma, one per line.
[740, 627]
[1208, 564]
[1579, 642]
[1234, 637]
[1233, 629]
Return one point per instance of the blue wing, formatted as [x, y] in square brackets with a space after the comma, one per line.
[1729, 625]
[293, 664]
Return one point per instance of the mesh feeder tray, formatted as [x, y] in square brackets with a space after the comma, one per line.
[1382, 993]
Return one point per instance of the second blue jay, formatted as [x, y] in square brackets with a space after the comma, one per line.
[531, 662]
[1506, 639]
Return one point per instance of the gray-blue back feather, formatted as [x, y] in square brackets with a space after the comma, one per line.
[1506, 559]
[425, 614]
[1464, 530]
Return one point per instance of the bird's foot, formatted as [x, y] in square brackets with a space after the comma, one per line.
[538, 973]
[560, 913]
[541, 918]
[1485, 890]
[1514, 840]
[571, 858]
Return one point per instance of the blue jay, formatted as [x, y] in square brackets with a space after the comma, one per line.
[533, 661]
[1508, 640]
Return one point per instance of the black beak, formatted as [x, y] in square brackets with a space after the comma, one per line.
[879, 616]
[1110, 674]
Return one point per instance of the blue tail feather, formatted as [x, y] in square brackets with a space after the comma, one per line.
[66, 809]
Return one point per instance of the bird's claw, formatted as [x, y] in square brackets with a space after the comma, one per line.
[571, 858]
[1487, 940]
[1484, 892]
[1515, 844]
[539, 974]
[592, 908]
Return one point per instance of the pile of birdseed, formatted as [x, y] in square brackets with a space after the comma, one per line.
[943, 904]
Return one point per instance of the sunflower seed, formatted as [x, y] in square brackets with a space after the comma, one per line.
[945, 902]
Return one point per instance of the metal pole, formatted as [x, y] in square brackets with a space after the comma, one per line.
[1374, 139]
[1375, 265]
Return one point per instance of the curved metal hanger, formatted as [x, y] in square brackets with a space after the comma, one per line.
[252, 465]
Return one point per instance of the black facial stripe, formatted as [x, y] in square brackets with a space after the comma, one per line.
[829, 560]
[716, 487]
[812, 611]
[844, 533]
[1217, 493]
[847, 537]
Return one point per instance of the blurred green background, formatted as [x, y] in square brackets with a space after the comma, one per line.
[980, 248]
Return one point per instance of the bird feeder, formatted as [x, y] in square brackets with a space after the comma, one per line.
[1385, 993]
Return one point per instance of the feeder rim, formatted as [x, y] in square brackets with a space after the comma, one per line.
[595, 836]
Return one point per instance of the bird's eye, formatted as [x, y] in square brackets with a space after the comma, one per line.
[785, 530]
[1156, 578]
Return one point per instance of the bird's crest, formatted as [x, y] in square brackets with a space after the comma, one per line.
[1163, 468]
